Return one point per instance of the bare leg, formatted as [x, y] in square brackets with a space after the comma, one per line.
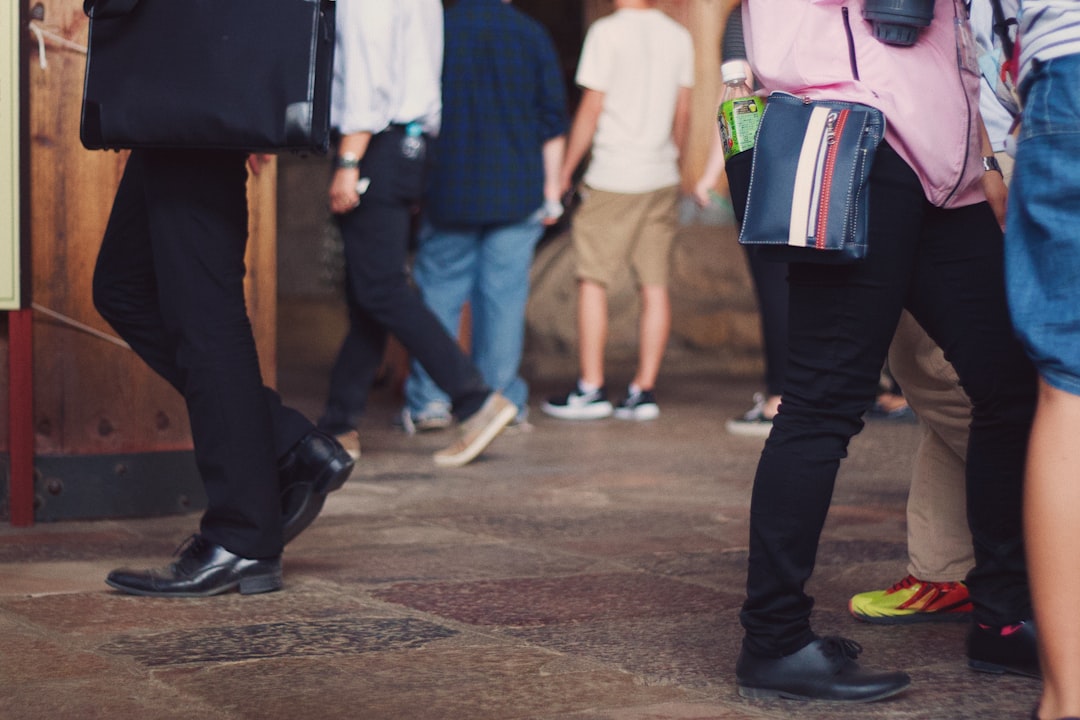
[592, 330]
[1051, 534]
[654, 329]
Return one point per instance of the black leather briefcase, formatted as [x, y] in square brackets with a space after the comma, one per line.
[250, 75]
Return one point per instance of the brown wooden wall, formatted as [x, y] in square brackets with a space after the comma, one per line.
[90, 395]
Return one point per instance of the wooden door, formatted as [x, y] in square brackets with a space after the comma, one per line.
[110, 436]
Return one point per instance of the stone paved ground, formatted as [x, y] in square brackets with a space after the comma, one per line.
[588, 571]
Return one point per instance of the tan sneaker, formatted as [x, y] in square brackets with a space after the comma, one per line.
[350, 440]
[478, 431]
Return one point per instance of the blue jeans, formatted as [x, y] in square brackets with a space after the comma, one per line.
[487, 265]
[1043, 239]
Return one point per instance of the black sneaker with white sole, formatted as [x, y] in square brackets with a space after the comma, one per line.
[639, 405]
[578, 405]
[753, 423]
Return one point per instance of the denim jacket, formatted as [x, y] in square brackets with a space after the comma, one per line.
[825, 50]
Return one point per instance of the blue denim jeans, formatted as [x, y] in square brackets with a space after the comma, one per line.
[1043, 238]
[488, 266]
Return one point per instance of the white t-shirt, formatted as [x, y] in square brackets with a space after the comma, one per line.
[639, 59]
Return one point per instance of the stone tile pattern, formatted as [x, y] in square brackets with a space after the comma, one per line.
[543, 601]
[283, 639]
[583, 570]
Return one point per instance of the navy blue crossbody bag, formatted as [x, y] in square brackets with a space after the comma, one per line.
[809, 197]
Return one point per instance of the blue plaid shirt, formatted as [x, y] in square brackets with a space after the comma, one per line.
[503, 98]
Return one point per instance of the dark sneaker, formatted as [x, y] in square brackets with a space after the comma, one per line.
[753, 423]
[578, 405]
[1011, 649]
[912, 600]
[638, 406]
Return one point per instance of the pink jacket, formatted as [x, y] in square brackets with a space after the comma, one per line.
[825, 50]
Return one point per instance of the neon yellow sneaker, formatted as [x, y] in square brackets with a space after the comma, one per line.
[912, 600]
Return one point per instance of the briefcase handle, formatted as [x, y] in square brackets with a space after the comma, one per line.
[108, 8]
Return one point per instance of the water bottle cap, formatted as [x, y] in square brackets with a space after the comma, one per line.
[733, 71]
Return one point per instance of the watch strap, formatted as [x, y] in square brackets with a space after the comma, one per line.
[346, 161]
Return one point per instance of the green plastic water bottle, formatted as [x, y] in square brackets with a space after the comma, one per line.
[740, 110]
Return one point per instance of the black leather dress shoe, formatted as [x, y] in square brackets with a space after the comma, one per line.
[823, 670]
[203, 569]
[314, 467]
[1014, 652]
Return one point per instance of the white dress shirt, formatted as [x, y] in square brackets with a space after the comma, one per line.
[387, 65]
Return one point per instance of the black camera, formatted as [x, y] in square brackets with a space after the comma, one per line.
[898, 22]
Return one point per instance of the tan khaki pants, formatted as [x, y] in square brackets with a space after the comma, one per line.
[939, 542]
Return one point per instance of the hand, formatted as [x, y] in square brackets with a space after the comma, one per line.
[553, 210]
[702, 194]
[257, 161]
[344, 195]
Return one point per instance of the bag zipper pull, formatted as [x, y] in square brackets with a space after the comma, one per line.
[830, 128]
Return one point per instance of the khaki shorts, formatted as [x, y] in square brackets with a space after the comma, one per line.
[613, 230]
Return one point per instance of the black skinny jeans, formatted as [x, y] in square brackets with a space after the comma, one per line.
[771, 290]
[380, 297]
[946, 267]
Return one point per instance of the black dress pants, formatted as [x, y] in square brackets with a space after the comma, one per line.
[169, 279]
[946, 267]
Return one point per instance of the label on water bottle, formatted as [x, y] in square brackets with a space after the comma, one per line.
[739, 120]
[412, 144]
